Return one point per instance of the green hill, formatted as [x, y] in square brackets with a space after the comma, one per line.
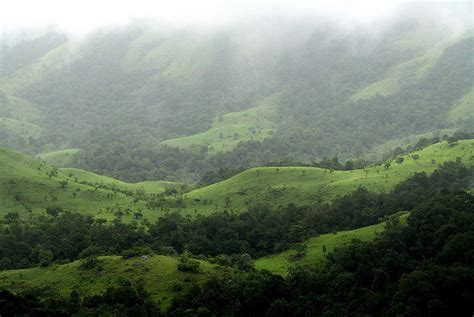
[314, 254]
[29, 185]
[307, 185]
[159, 273]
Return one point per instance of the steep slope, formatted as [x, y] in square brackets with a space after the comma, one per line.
[307, 185]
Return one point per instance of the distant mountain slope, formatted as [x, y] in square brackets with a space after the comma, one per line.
[402, 75]
[150, 95]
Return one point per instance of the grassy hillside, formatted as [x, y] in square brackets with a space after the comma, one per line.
[306, 185]
[281, 262]
[28, 185]
[229, 129]
[159, 273]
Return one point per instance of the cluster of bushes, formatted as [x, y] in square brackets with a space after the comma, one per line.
[124, 299]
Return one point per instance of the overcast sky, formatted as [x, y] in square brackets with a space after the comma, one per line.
[79, 16]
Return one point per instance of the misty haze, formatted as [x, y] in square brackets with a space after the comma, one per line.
[230, 158]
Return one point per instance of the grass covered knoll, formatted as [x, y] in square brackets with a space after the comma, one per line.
[307, 185]
[318, 247]
[60, 158]
[159, 273]
[29, 185]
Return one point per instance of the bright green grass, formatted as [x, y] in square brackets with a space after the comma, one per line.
[306, 185]
[61, 158]
[21, 128]
[281, 262]
[150, 187]
[229, 129]
[159, 273]
[25, 186]
[401, 75]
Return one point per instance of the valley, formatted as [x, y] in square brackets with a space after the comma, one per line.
[228, 159]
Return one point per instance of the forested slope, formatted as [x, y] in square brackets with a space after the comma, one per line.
[143, 96]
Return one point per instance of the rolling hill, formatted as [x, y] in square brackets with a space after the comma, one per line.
[307, 185]
[29, 185]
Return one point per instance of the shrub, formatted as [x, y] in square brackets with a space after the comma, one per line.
[137, 251]
[186, 264]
